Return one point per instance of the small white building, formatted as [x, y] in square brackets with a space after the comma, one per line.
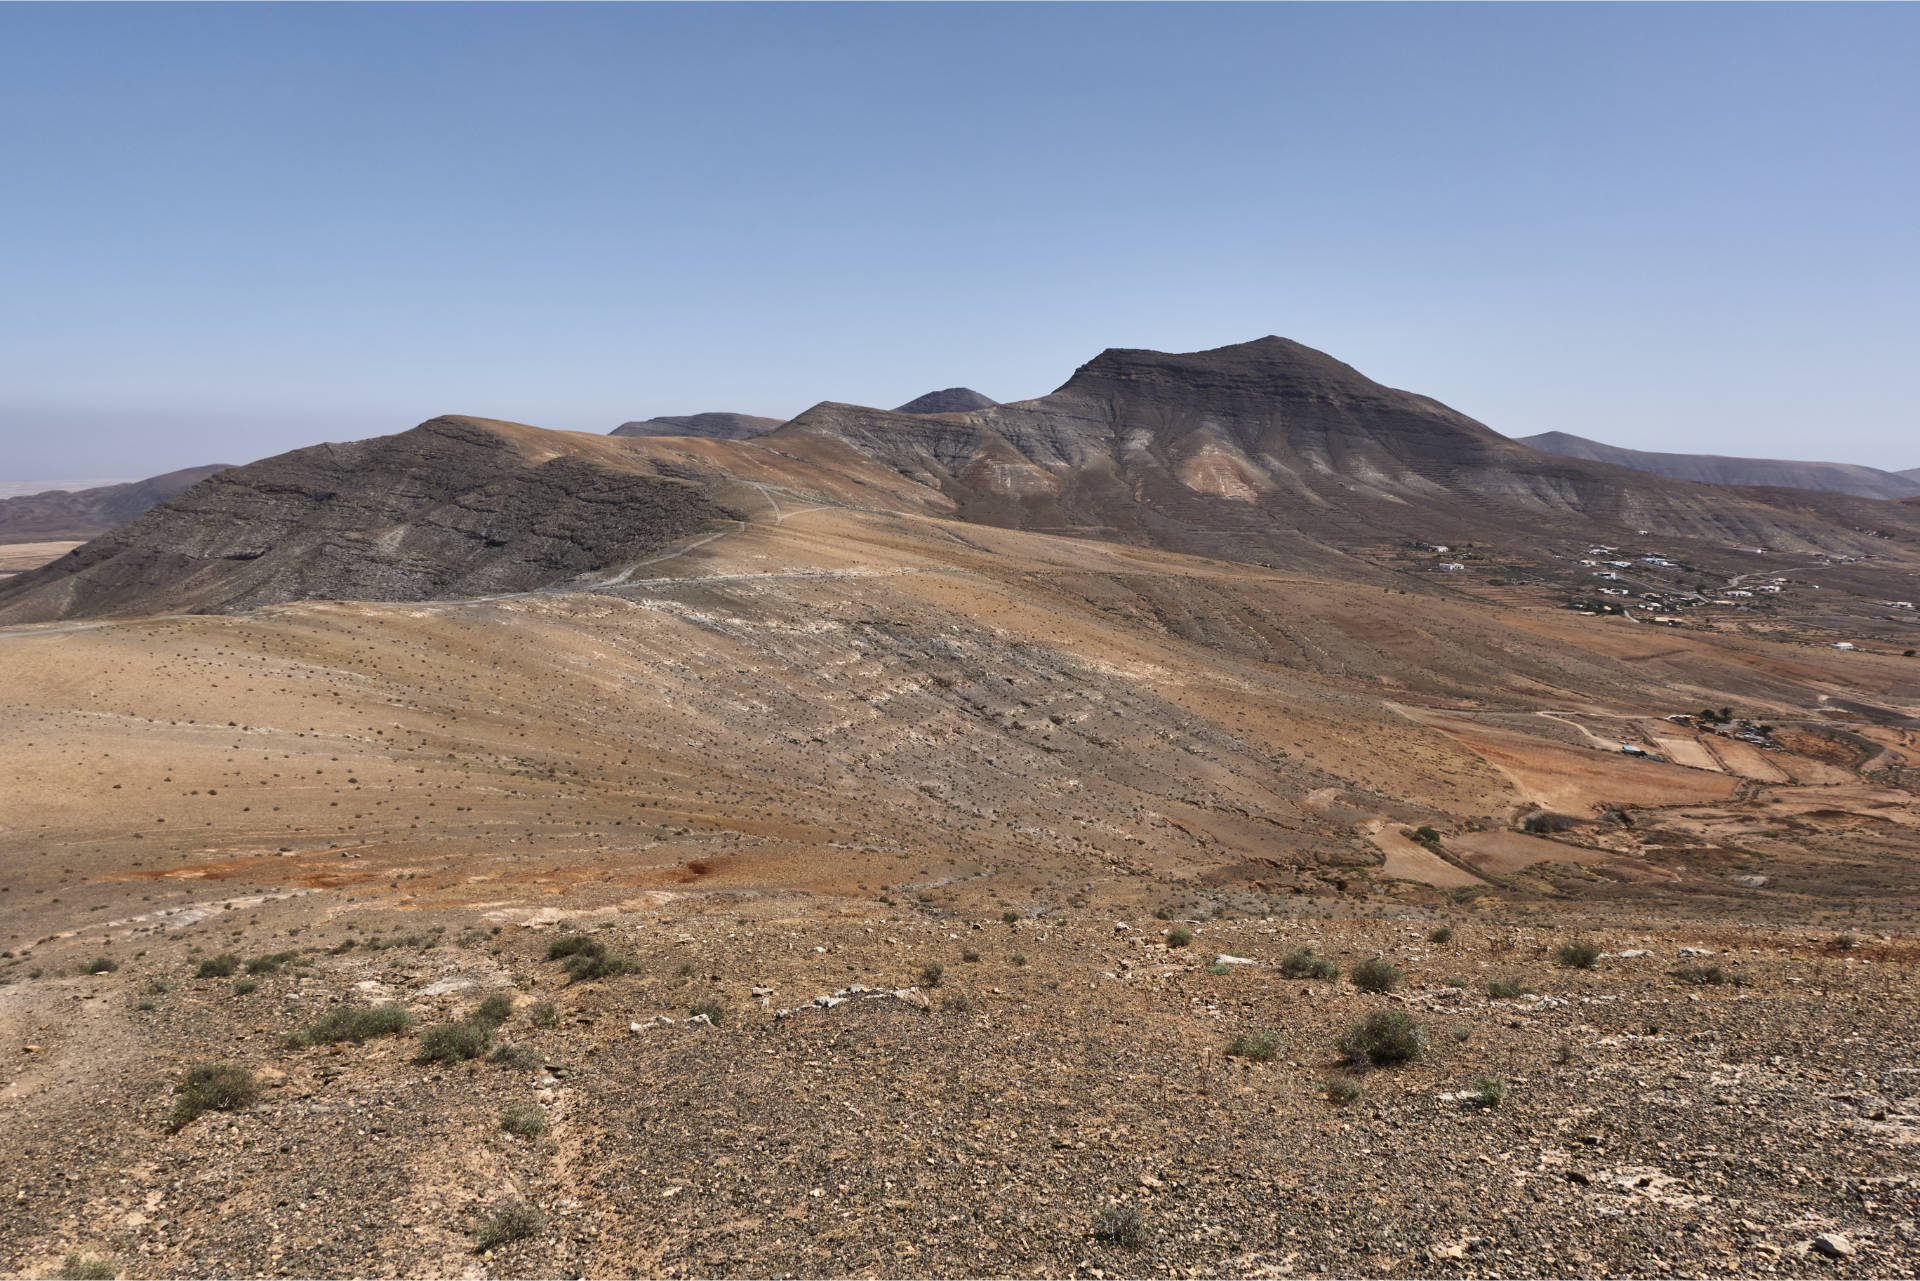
[1841, 645]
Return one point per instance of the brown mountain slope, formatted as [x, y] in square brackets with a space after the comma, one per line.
[82, 513]
[1714, 469]
[713, 426]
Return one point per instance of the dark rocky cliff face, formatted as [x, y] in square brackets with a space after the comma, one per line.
[713, 426]
[58, 515]
[951, 400]
[451, 508]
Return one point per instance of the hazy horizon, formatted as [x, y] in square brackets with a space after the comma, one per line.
[242, 230]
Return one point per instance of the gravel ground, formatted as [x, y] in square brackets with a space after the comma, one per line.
[978, 1126]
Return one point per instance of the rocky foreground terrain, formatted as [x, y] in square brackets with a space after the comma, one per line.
[789, 1086]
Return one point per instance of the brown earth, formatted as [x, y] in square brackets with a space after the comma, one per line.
[15, 557]
[877, 735]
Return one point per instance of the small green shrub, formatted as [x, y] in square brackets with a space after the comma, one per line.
[1305, 965]
[573, 945]
[506, 1221]
[520, 1058]
[526, 1121]
[159, 988]
[102, 965]
[1340, 1089]
[271, 963]
[452, 1043]
[492, 1012]
[245, 987]
[1488, 1092]
[1376, 975]
[1018, 958]
[1219, 969]
[716, 1013]
[145, 1003]
[213, 1087]
[1844, 943]
[223, 966]
[88, 1267]
[1577, 955]
[970, 956]
[931, 973]
[1008, 918]
[354, 1023]
[543, 1014]
[587, 964]
[1257, 1047]
[956, 1003]
[1122, 1225]
[1426, 835]
[1461, 1032]
[1384, 1038]
[1179, 936]
[1546, 823]
[1444, 934]
[1704, 975]
[1505, 989]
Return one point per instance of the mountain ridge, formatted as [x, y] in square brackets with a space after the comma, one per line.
[60, 515]
[716, 425]
[1268, 452]
[1721, 469]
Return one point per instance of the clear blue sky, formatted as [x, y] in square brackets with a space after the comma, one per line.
[232, 230]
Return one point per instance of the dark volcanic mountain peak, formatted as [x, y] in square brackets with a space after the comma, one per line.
[951, 400]
[1265, 359]
[1263, 376]
[720, 425]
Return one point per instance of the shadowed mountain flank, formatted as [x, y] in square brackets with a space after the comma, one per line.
[1715, 469]
[952, 400]
[457, 506]
[83, 513]
[712, 426]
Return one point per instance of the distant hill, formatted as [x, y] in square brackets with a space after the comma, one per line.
[1266, 451]
[57, 515]
[1714, 469]
[952, 400]
[714, 426]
